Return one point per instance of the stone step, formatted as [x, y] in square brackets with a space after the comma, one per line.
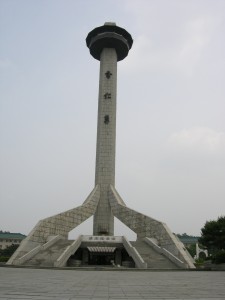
[46, 258]
[153, 259]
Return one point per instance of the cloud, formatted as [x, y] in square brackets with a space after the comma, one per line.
[201, 140]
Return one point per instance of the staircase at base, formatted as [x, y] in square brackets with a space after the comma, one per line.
[153, 259]
[46, 258]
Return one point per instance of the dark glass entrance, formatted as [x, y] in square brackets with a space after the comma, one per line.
[102, 259]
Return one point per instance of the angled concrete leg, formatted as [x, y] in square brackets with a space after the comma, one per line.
[58, 225]
[145, 226]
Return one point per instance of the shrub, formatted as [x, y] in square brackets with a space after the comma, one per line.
[199, 261]
[219, 257]
[4, 258]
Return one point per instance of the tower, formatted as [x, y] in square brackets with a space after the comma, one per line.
[156, 246]
[108, 44]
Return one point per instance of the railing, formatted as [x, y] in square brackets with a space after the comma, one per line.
[132, 251]
[51, 242]
[165, 252]
[28, 255]
[37, 249]
[61, 261]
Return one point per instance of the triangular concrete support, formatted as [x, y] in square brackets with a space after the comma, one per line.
[145, 226]
[57, 225]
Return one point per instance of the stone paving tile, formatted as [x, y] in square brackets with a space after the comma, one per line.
[47, 284]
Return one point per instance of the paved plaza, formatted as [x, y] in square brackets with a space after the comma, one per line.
[49, 284]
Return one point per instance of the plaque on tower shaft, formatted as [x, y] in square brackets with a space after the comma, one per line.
[109, 44]
[108, 74]
[107, 95]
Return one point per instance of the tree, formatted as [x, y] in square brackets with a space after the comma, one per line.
[7, 252]
[213, 235]
[192, 250]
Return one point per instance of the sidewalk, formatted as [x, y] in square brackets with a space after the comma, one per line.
[49, 284]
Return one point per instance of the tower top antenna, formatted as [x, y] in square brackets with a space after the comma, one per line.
[110, 23]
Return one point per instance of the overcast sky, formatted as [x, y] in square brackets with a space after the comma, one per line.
[170, 159]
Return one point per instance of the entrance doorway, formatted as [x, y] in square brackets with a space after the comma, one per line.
[102, 259]
[101, 256]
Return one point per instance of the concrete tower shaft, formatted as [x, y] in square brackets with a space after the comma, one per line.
[106, 141]
[109, 44]
[106, 132]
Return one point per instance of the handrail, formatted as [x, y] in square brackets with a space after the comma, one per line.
[51, 242]
[62, 259]
[166, 253]
[171, 254]
[132, 251]
[29, 255]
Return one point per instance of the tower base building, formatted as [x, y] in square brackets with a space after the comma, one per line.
[156, 246]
